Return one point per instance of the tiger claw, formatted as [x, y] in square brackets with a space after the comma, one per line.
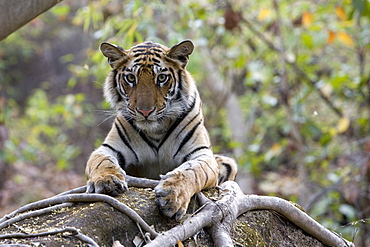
[161, 202]
[90, 187]
[179, 215]
[109, 184]
[109, 179]
[159, 192]
[172, 198]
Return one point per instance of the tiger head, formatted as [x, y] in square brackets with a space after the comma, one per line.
[148, 83]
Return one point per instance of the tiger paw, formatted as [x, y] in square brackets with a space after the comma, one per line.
[173, 195]
[107, 179]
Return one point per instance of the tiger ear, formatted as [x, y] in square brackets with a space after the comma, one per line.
[181, 52]
[114, 53]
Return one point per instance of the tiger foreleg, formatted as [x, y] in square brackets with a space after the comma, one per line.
[105, 176]
[176, 188]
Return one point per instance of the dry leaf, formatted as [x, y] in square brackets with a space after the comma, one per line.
[264, 14]
[327, 90]
[343, 124]
[331, 37]
[345, 38]
[179, 244]
[276, 148]
[307, 19]
[340, 13]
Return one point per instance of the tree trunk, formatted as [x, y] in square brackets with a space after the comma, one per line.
[16, 13]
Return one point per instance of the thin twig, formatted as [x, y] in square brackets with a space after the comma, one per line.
[89, 198]
[131, 181]
[73, 231]
[11, 218]
[33, 206]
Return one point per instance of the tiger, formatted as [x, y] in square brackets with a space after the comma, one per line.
[158, 131]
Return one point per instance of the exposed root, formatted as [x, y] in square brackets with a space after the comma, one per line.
[217, 216]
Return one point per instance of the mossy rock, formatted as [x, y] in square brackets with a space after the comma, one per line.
[105, 224]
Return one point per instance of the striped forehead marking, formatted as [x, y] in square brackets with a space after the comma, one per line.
[148, 54]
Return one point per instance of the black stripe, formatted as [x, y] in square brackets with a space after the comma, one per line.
[124, 130]
[142, 135]
[173, 90]
[187, 137]
[121, 90]
[195, 174]
[124, 140]
[138, 50]
[179, 85]
[115, 87]
[193, 152]
[177, 122]
[168, 60]
[156, 60]
[179, 74]
[172, 72]
[120, 158]
[149, 45]
[211, 168]
[101, 162]
[186, 125]
[222, 179]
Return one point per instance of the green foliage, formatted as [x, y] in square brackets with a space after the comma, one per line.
[40, 135]
[325, 47]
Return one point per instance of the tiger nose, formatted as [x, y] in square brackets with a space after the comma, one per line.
[145, 112]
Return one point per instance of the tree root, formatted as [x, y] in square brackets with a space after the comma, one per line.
[47, 203]
[73, 232]
[217, 217]
[141, 182]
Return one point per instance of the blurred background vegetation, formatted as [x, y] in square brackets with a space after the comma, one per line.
[285, 86]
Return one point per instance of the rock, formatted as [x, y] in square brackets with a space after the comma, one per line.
[105, 225]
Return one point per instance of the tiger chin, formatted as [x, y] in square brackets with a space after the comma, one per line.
[159, 130]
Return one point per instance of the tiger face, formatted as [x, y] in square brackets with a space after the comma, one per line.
[143, 85]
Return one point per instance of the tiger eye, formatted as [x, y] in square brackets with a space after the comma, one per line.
[130, 78]
[162, 78]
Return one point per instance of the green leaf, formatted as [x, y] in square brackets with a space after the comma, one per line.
[61, 10]
[307, 40]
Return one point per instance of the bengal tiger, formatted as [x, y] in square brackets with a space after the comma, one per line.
[159, 130]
